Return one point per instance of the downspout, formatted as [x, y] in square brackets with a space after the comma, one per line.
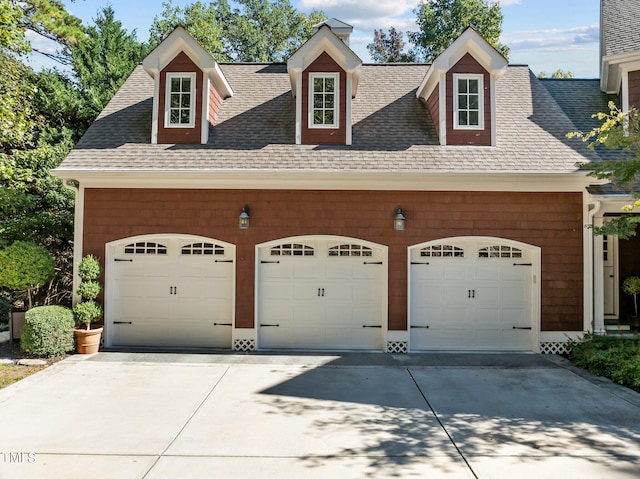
[77, 233]
[594, 208]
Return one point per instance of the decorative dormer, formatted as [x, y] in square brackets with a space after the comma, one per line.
[324, 75]
[459, 90]
[189, 88]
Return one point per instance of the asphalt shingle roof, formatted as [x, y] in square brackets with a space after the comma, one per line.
[392, 129]
[619, 23]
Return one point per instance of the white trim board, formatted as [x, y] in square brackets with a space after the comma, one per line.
[346, 180]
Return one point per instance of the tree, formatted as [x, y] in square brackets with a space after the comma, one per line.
[12, 38]
[264, 30]
[200, 21]
[41, 116]
[619, 131]
[24, 266]
[104, 57]
[48, 19]
[556, 74]
[18, 121]
[389, 49]
[255, 31]
[442, 21]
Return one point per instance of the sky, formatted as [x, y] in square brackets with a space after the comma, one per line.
[547, 35]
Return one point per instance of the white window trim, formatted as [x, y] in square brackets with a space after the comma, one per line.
[192, 104]
[469, 76]
[336, 101]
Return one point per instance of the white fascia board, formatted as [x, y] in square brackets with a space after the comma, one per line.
[472, 42]
[612, 69]
[332, 180]
[204, 120]
[429, 82]
[181, 41]
[324, 41]
[219, 81]
[469, 42]
[155, 114]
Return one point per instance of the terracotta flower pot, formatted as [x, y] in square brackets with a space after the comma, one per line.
[87, 341]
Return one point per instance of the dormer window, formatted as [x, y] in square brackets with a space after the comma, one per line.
[468, 105]
[323, 100]
[180, 100]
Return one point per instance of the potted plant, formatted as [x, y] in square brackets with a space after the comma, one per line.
[88, 310]
[631, 286]
[24, 266]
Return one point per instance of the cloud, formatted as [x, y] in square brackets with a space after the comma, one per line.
[41, 43]
[362, 10]
[384, 23]
[552, 39]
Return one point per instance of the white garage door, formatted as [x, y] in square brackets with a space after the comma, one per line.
[170, 292]
[471, 294]
[321, 294]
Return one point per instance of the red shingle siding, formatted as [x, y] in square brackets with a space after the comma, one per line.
[468, 64]
[634, 89]
[323, 136]
[433, 104]
[215, 103]
[180, 64]
[552, 221]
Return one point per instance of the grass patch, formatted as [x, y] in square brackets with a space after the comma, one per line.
[10, 374]
[615, 358]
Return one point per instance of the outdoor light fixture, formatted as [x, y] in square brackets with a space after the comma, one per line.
[398, 220]
[243, 219]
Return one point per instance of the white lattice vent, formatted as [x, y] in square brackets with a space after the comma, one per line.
[244, 345]
[554, 347]
[398, 347]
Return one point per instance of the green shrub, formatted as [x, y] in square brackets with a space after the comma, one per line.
[611, 357]
[47, 331]
[89, 268]
[25, 265]
[5, 309]
[86, 313]
[89, 289]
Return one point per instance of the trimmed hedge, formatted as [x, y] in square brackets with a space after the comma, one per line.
[5, 310]
[615, 358]
[47, 331]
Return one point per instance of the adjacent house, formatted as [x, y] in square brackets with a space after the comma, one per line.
[329, 204]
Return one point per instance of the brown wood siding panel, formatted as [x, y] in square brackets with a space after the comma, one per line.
[215, 103]
[552, 221]
[180, 64]
[433, 104]
[323, 136]
[468, 64]
[634, 89]
[629, 260]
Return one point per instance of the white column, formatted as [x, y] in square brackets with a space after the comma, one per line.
[598, 280]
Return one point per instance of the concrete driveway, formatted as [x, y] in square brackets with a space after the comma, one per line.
[161, 416]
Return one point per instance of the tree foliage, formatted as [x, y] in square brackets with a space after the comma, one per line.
[619, 131]
[200, 20]
[389, 48]
[24, 266]
[442, 21]
[559, 73]
[12, 37]
[104, 57]
[49, 19]
[42, 115]
[253, 31]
